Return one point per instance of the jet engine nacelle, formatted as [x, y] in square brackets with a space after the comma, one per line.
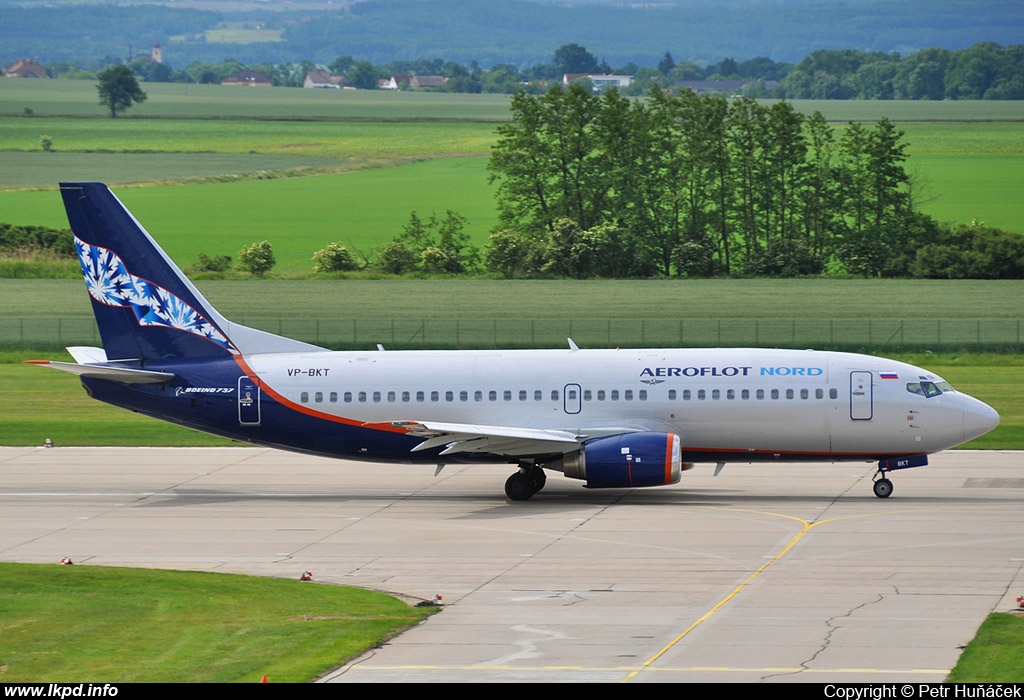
[629, 459]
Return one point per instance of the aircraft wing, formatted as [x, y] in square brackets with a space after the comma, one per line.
[497, 439]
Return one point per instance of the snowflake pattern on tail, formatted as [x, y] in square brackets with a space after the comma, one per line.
[110, 283]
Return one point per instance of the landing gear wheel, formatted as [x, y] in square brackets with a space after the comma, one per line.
[539, 478]
[883, 488]
[519, 487]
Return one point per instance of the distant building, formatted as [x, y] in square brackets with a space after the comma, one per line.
[323, 79]
[249, 78]
[412, 82]
[600, 81]
[26, 68]
[418, 82]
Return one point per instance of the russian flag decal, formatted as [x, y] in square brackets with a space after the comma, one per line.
[888, 375]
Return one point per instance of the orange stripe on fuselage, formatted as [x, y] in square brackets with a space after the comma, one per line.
[281, 399]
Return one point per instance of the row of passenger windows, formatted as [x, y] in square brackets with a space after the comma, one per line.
[555, 395]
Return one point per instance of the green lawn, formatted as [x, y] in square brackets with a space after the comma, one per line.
[65, 624]
[995, 655]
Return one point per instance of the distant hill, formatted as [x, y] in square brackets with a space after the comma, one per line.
[504, 31]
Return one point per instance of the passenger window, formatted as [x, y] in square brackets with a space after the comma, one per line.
[304, 397]
[760, 394]
[716, 394]
[507, 394]
[600, 394]
[318, 397]
[538, 395]
[420, 396]
[587, 396]
[406, 396]
[449, 396]
[730, 394]
[745, 394]
[492, 395]
[819, 393]
[615, 394]
[643, 394]
[362, 397]
[628, 394]
[348, 397]
[522, 394]
[671, 394]
[334, 397]
[775, 393]
[376, 397]
[391, 397]
[463, 395]
[804, 394]
[789, 393]
[700, 394]
[554, 394]
[686, 394]
[833, 393]
[435, 396]
[478, 395]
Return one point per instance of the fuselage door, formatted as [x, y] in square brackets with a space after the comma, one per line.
[248, 400]
[861, 396]
[572, 399]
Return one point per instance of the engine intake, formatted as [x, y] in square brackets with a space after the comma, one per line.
[629, 459]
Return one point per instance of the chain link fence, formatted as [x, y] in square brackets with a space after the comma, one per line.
[397, 334]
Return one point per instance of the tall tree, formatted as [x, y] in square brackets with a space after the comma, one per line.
[573, 58]
[118, 89]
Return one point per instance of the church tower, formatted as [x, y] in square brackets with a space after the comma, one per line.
[158, 54]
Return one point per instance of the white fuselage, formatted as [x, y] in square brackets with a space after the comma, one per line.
[737, 402]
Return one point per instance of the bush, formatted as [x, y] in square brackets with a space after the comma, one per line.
[334, 258]
[257, 259]
[396, 258]
[218, 263]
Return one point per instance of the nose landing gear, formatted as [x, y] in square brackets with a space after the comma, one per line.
[882, 486]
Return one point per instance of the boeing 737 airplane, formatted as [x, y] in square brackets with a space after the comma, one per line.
[611, 418]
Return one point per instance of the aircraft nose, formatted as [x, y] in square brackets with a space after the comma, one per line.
[979, 418]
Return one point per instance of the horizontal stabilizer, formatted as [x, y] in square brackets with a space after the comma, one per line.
[124, 375]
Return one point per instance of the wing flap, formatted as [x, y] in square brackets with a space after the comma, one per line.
[494, 439]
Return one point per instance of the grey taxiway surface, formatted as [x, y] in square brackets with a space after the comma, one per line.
[763, 573]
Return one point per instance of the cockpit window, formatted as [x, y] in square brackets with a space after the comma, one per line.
[928, 389]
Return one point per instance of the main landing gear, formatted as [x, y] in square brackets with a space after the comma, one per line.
[524, 483]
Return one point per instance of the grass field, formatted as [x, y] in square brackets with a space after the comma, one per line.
[968, 158]
[68, 624]
[79, 99]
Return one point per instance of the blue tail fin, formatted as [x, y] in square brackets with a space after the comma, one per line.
[145, 307]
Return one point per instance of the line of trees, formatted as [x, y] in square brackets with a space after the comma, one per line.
[984, 71]
[698, 186]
